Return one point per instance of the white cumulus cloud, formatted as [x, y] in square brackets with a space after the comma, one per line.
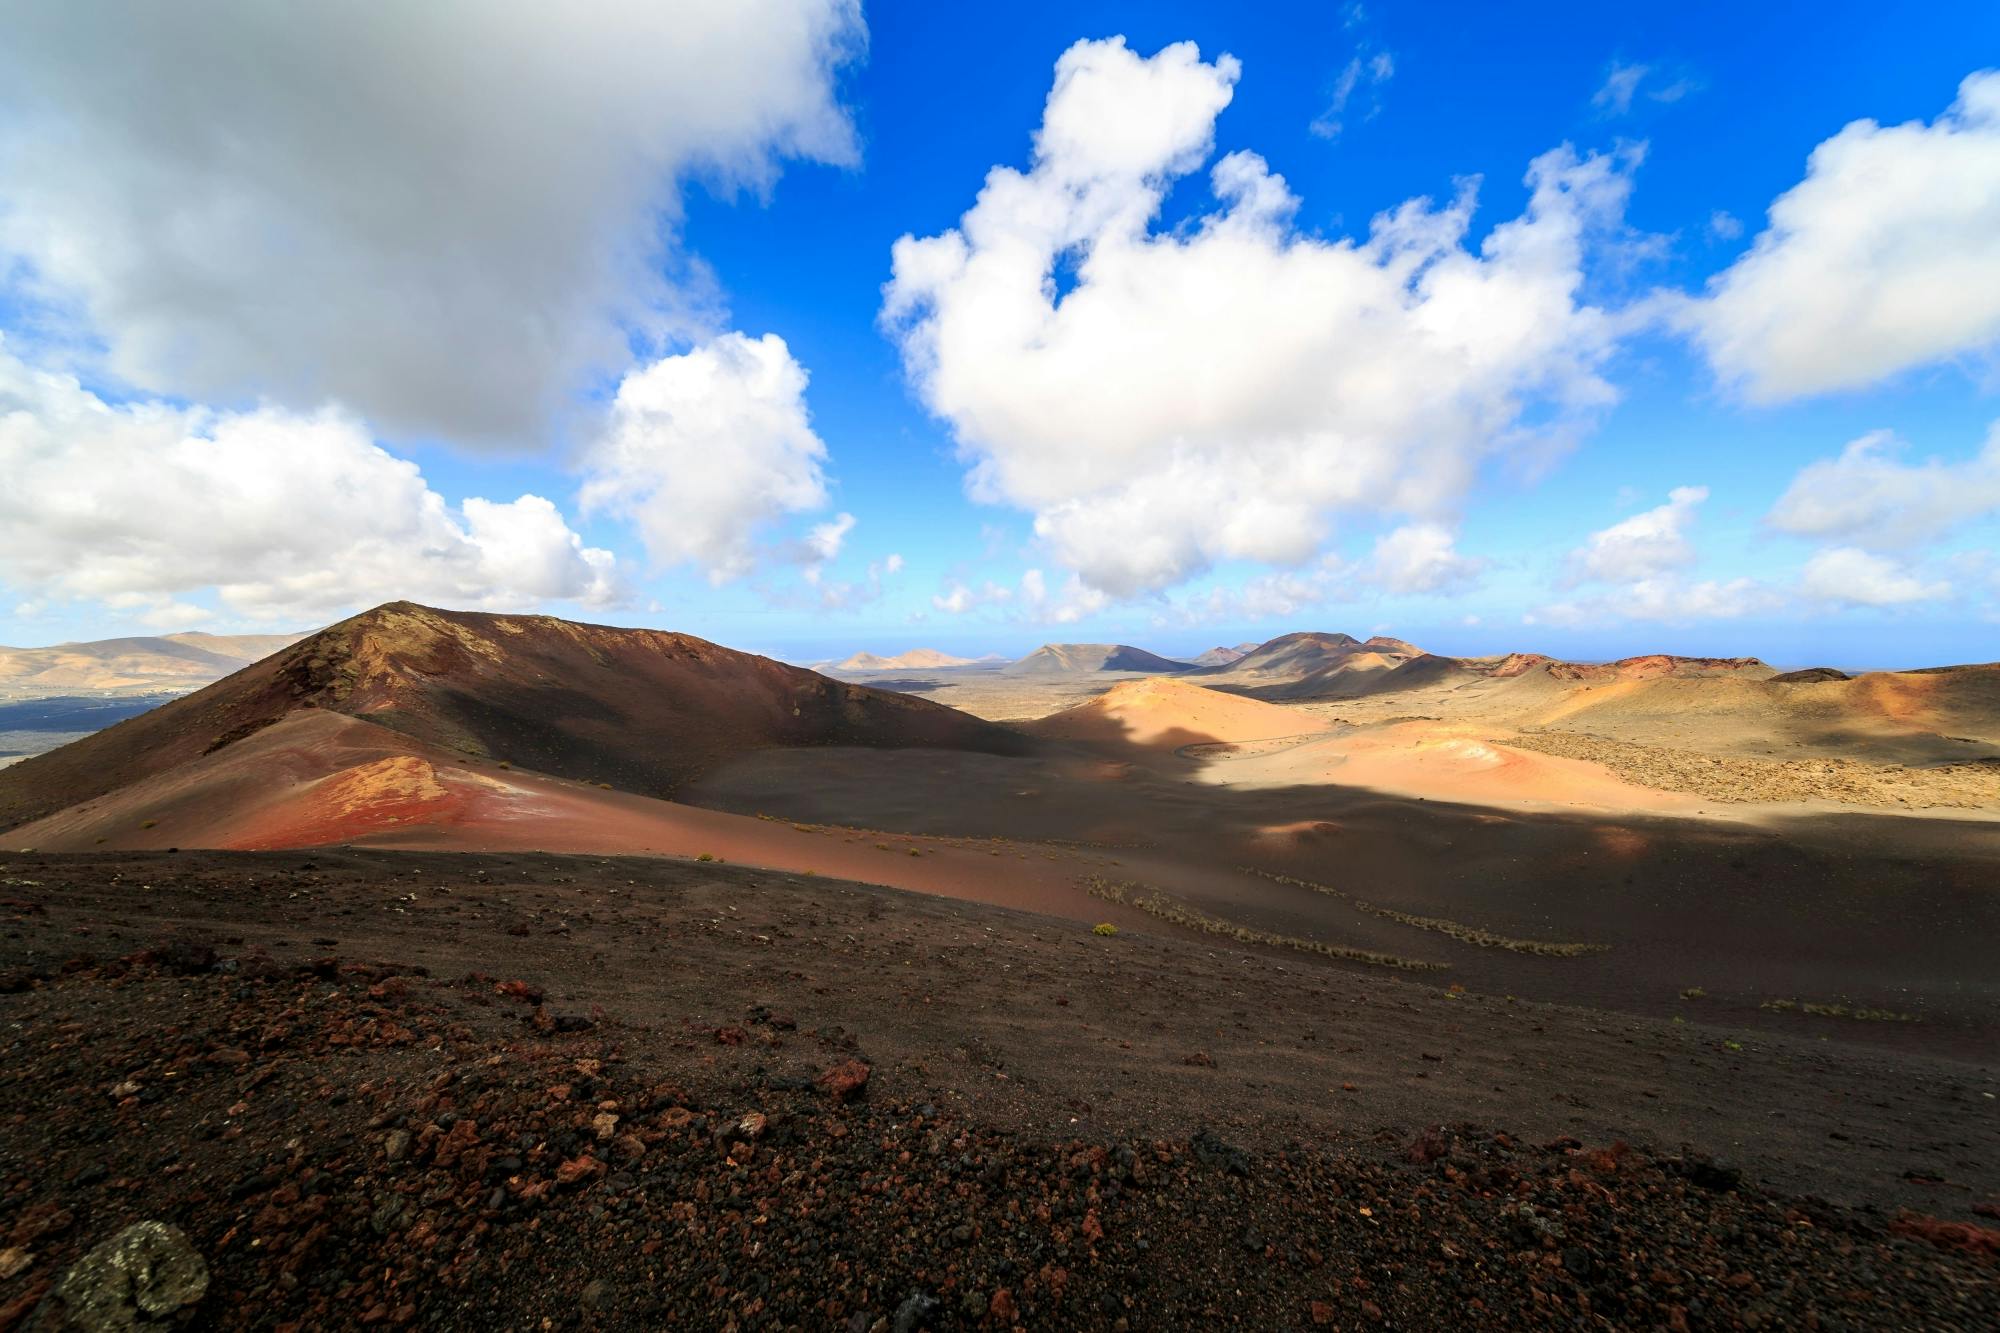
[1668, 597]
[1221, 390]
[1422, 558]
[1070, 602]
[1638, 568]
[1885, 257]
[1854, 577]
[444, 217]
[955, 600]
[825, 539]
[1642, 546]
[286, 516]
[957, 597]
[705, 450]
[1869, 497]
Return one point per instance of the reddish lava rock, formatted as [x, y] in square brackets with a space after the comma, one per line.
[1964, 1236]
[578, 1170]
[845, 1081]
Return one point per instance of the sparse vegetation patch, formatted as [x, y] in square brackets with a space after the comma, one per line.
[1838, 1011]
[1464, 934]
[1156, 903]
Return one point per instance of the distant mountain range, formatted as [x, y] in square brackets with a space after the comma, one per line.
[407, 718]
[917, 659]
[1289, 659]
[1224, 656]
[1052, 659]
[141, 664]
[1305, 664]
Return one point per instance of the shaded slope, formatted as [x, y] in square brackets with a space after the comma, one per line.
[643, 710]
[319, 778]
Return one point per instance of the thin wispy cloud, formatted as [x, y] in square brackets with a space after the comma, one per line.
[1626, 83]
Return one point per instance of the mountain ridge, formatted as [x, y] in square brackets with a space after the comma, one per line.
[915, 659]
[134, 662]
[1071, 658]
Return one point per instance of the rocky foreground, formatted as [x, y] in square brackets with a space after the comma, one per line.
[311, 1138]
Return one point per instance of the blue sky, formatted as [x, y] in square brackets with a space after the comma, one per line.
[651, 284]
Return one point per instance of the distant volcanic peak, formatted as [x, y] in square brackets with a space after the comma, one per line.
[237, 647]
[916, 659]
[1308, 653]
[1220, 656]
[1990, 668]
[1428, 666]
[1506, 665]
[165, 662]
[1308, 636]
[1520, 664]
[641, 710]
[1054, 658]
[1810, 676]
[1654, 666]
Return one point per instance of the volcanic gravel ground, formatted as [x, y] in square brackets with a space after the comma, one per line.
[411, 1119]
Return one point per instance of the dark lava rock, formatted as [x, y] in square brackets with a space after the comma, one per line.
[917, 1307]
[1707, 1173]
[1212, 1151]
[186, 957]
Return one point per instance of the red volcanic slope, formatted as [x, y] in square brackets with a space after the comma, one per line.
[643, 710]
[318, 778]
